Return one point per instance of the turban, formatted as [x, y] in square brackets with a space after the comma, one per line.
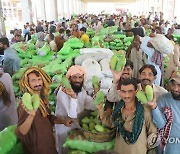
[25, 87]
[76, 69]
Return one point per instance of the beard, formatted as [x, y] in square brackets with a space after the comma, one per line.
[175, 96]
[77, 87]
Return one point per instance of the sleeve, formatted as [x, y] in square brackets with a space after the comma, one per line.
[16, 65]
[22, 116]
[158, 117]
[150, 127]
[89, 103]
[176, 55]
[112, 94]
[66, 106]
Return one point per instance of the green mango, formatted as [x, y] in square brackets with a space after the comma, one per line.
[94, 113]
[99, 128]
[149, 93]
[100, 96]
[92, 125]
[93, 131]
[35, 101]
[95, 82]
[26, 100]
[65, 82]
[97, 121]
[85, 127]
[85, 120]
[141, 97]
[113, 62]
[121, 62]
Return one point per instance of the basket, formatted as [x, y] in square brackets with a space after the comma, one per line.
[96, 137]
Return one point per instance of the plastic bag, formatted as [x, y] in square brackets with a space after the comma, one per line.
[44, 50]
[7, 139]
[162, 44]
[65, 50]
[77, 141]
[74, 43]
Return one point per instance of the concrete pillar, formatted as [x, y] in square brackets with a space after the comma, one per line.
[2, 24]
[51, 10]
[26, 10]
[60, 4]
[40, 9]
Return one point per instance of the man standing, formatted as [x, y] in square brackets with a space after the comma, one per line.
[166, 116]
[35, 127]
[133, 122]
[84, 36]
[11, 62]
[71, 102]
[148, 75]
[8, 111]
[118, 77]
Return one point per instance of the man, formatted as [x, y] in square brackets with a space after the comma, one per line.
[166, 115]
[148, 75]
[8, 112]
[60, 39]
[133, 122]
[71, 102]
[136, 55]
[136, 31]
[126, 73]
[11, 62]
[84, 36]
[35, 127]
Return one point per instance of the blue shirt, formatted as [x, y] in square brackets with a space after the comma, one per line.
[11, 62]
[159, 119]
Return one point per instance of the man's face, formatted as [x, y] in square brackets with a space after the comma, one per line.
[77, 82]
[1, 46]
[35, 82]
[175, 90]
[127, 93]
[147, 77]
[127, 72]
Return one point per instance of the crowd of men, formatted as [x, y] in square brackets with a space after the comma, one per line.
[141, 128]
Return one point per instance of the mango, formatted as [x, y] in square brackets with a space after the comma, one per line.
[35, 101]
[26, 100]
[92, 125]
[149, 93]
[95, 82]
[65, 82]
[99, 128]
[85, 120]
[94, 113]
[93, 131]
[85, 127]
[121, 62]
[113, 62]
[97, 121]
[107, 129]
[141, 97]
[99, 98]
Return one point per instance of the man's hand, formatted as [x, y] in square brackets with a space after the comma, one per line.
[97, 89]
[117, 75]
[109, 111]
[31, 113]
[153, 103]
[69, 92]
[67, 122]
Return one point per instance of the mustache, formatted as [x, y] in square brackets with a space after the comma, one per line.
[37, 86]
[125, 73]
[146, 79]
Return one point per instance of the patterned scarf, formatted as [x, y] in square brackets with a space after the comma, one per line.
[25, 87]
[129, 137]
[163, 133]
